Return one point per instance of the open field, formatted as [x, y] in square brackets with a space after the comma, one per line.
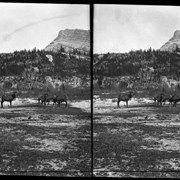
[45, 140]
[142, 140]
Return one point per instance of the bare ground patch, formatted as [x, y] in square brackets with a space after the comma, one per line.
[50, 140]
[140, 141]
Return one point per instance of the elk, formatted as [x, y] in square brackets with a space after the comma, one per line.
[171, 99]
[50, 98]
[8, 97]
[159, 99]
[124, 97]
[39, 100]
[61, 98]
[175, 99]
[42, 99]
[155, 99]
[165, 98]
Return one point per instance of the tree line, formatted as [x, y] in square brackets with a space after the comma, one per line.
[134, 63]
[63, 64]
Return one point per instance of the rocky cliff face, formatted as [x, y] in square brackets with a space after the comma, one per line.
[69, 39]
[173, 43]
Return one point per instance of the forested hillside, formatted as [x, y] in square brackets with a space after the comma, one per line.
[33, 66]
[136, 67]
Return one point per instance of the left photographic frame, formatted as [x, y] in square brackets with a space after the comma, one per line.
[45, 89]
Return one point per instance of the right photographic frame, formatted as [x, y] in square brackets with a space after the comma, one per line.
[136, 91]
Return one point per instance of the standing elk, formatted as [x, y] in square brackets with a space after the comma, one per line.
[171, 99]
[42, 99]
[159, 99]
[175, 99]
[124, 97]
[9, 98]
[61, 98]
[50, 98]
[165, 98]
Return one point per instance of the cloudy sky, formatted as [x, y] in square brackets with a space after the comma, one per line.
[30, 25]
[121, 28]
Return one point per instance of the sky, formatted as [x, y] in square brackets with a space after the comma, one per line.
[33, 25]
[122, 28]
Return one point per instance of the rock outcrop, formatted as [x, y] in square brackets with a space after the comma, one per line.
[173, 44]
[71, 39]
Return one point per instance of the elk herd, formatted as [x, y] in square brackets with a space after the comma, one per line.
[42, 99]
[159, 99]
[162, 98]
[47, 98]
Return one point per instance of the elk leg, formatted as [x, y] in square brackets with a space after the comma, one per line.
[59, 103]
[2, 104]
[174, 104]
[118, 103]
[10, 103]
[127, 103]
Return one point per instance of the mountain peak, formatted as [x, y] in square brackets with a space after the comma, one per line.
[69, 39]
[176, 35]
[173, 43]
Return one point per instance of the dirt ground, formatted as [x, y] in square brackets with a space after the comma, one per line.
[45, 140]
[142, 140]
